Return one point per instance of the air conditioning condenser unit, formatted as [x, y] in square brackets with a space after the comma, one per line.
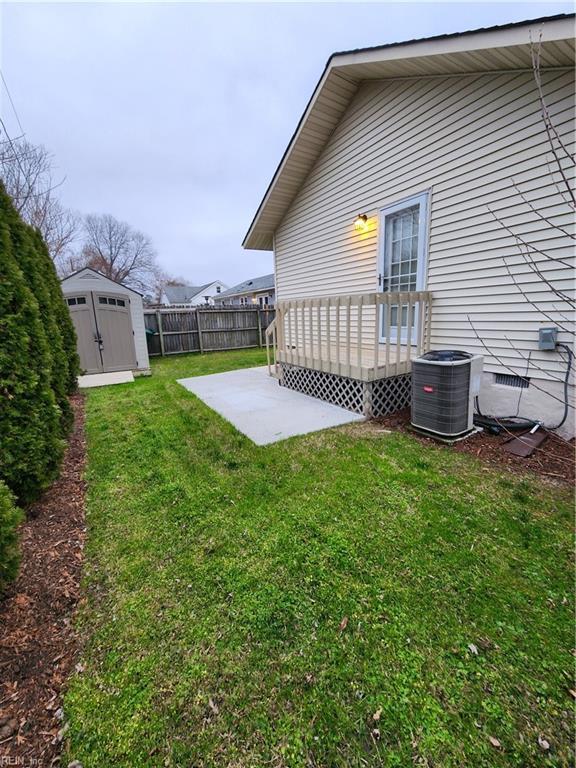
[444, 384]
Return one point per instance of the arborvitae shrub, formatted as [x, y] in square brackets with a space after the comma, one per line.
[10, 516]
[30, 420]
[30, 258]
[60, 310]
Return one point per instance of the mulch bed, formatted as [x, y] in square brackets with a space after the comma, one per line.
[37, 641]
[554, 459]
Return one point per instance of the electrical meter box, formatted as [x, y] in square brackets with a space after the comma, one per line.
[547, 338]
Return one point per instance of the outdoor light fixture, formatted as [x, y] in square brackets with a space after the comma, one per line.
[361, 222]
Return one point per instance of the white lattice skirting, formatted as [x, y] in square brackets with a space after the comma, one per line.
[373, 398]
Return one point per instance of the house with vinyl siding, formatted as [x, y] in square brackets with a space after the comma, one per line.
[424, 202]
[255, 291]
[184, 295]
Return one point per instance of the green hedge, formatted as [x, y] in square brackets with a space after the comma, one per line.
[38, 362]
[10, 516]
[68, 356]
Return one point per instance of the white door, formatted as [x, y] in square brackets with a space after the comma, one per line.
[403, 228]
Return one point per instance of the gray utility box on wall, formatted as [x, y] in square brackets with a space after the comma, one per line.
[444, 384]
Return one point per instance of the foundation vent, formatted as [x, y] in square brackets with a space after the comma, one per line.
[509, 380]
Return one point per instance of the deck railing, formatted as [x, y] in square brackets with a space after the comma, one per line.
[354, 335]
[272, 348]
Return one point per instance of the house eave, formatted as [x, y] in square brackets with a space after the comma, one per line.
[504, 48]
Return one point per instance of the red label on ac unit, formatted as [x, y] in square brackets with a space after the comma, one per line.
[428, 388]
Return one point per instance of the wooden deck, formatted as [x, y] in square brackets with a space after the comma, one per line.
[342, 334]
[364, 363]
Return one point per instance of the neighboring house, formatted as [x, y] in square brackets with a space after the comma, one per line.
[109, 322]
[191, 295]
[258, 290]
[411, 210]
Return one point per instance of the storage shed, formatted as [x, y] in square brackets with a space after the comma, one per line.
[109, 322]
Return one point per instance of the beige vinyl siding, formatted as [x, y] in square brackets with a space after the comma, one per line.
[467, 140]
[499, 50]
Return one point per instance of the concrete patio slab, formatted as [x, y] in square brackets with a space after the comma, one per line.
[104, 379]
[261, 409]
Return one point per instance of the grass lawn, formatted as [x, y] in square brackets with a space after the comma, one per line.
[348, 598]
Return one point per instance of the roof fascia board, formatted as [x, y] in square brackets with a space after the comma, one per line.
[302, 122]
[558, 29]
[504, 36]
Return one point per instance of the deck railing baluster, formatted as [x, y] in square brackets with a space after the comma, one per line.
[359, 334]
[317, 332]
[348, 323]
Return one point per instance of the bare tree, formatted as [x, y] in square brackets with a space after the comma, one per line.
[163, 279]
[118, 251]
[26, 171]
[59, 227]
[550, 272]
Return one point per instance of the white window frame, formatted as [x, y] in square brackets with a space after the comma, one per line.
[421, 200]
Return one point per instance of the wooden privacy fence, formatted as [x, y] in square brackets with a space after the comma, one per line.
[205, 329]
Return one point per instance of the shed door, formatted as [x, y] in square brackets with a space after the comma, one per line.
[82, 312]
[114, 324]
[104, 331]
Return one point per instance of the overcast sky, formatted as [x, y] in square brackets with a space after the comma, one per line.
[173, 117]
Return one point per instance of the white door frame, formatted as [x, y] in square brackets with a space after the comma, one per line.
[422, 200]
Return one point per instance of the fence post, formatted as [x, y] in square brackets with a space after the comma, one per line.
[200, 341]
[160, 333]
[258, 310]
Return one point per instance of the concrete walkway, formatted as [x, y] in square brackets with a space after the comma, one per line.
[264, 411]
[104, 379]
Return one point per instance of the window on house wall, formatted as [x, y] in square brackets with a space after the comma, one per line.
[218, 289]
[402, 259]
[263, 301]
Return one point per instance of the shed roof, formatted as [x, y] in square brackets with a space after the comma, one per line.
[492, 49]
[100, 275]
[255, 284]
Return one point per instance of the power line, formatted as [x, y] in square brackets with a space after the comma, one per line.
[11, 102]
[13, 148]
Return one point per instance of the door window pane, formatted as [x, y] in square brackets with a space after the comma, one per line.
[81, 300]
[402, 252]
[71, 302]
[102, 300]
